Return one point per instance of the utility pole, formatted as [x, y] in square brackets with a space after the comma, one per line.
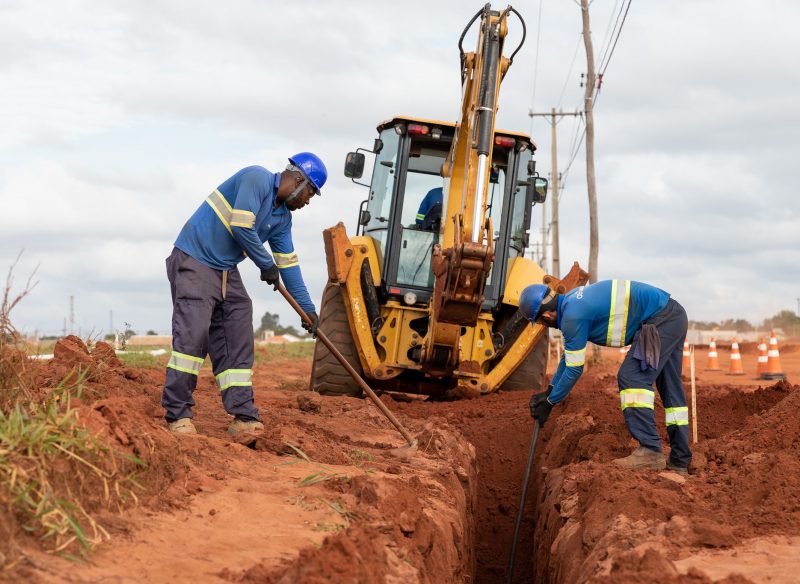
[588, 98]
[553, 187]
[554, 195]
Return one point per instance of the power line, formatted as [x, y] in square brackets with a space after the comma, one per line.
[611, 53]
[572, 159]
[569, 73]
[536, 61]
[619, 32]
[603, 66]
[610, 32]
[575, 147]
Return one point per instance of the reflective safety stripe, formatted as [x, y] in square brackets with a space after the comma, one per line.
[677, 416]
[637, 398]
[575, 358]
[286, 260]
[618, 313]
[240, 218]
[186, 363]
[221, 208]
[234, 377]
[420, 217]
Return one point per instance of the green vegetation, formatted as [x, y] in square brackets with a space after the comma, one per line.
[272, 322]
[46, 459]
[785, 320]
[144, 359]
[53, 473]
[269, 353]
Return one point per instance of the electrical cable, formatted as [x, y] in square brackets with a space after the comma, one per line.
[610, 31]
[611, 53]
[569, 73]
[536, 61]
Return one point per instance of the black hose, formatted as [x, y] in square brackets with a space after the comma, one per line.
[524, 33]
[461, 40]
[531, 452]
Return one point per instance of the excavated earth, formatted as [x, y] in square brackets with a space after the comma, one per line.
[318, 497]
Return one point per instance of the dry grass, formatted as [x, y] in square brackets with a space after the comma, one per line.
[51, 469]
[53, 473]
[14, 373]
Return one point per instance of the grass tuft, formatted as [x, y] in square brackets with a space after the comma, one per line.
[46, 456]
[322, 474]
[53, 473]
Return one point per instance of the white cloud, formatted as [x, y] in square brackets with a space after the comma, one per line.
[120, 117]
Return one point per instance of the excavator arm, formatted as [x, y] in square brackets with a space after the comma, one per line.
[462, 261]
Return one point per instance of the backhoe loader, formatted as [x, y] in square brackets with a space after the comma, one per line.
[423, 297]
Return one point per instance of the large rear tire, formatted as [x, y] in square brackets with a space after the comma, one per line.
[328, 376]
[532, 372]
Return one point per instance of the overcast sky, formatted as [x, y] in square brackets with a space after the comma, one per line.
[117, 118]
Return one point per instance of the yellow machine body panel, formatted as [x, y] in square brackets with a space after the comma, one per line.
[431, 280]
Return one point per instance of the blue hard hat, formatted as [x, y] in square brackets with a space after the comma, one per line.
[530, 301]
[312, 168]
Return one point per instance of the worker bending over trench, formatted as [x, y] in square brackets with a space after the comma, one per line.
[617, 313]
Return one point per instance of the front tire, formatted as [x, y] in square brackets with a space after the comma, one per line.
[328, 376]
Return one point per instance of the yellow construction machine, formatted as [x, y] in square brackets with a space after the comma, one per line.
[423, 298]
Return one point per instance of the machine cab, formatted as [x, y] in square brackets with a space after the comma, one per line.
[404, 212]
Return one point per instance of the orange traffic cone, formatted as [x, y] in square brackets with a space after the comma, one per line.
[736, 360]
[762, 357]
[774, 360]
[686, 356]
[713, 360]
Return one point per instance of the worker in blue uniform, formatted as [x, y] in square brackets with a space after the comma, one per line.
[212, 312]
[617, 313]
[429, 213]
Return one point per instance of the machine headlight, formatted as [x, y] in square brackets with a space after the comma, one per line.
[410, 298]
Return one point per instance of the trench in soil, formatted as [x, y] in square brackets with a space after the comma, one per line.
[586, 519]
[499, 426]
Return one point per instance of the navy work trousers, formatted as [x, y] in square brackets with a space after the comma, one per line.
[671, 323]
[208, 320]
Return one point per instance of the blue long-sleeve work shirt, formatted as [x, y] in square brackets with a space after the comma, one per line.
[433, 197]
[236, 220]
[607, 313]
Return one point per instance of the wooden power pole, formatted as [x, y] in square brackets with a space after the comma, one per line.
[554, 196]
[554, 237]
[588, 98]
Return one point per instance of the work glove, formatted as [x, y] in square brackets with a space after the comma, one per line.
[540, 406]
[311, 328]
[271, 276]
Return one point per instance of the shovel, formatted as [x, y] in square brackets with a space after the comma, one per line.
[402, 452]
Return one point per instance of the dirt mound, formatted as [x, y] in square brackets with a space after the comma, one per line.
[601, 523]
[314, 498]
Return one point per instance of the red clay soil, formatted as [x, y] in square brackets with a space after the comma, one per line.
[599, 523]
[499, 426]
[213, 510]
[239, 514]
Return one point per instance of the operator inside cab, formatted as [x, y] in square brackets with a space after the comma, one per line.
[429, 214]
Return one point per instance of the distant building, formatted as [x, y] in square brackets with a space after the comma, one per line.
[269, 337]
